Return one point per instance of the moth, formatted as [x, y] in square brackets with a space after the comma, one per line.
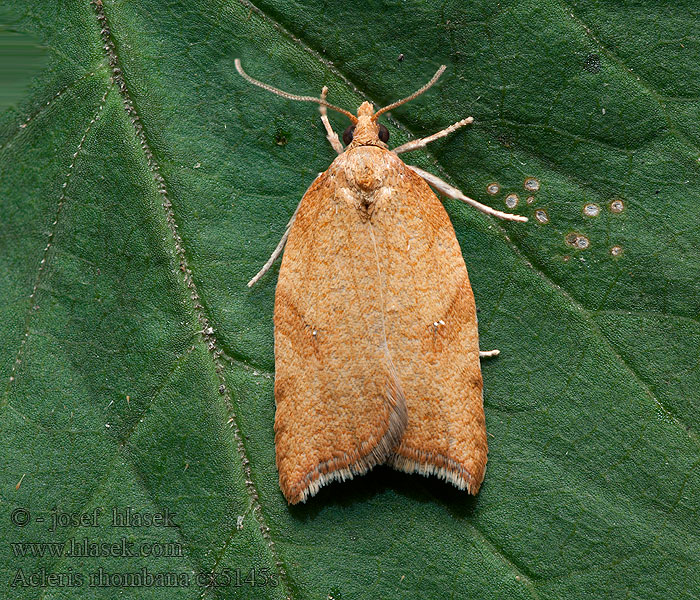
[376, 340]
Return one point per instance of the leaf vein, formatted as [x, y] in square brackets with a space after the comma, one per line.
[207, 331]
[45, 258]
[33, 115]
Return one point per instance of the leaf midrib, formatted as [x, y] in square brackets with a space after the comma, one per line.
[179, 256]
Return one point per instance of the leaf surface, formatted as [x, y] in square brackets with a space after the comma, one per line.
[143, 182]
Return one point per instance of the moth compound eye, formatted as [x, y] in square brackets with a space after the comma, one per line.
[383, 133]
[347, 135]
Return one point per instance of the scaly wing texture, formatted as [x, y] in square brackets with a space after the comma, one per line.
[340, 408]
[432, 334]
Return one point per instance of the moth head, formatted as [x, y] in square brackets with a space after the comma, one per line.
[364, 129]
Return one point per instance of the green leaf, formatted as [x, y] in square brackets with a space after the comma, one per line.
[143, 182]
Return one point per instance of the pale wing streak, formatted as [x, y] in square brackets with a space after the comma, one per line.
[381, 286]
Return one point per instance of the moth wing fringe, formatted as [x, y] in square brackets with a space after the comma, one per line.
[449, 471]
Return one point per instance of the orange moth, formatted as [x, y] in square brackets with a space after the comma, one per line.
[376, 340]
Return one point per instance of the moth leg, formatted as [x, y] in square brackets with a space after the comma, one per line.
[330, 134]
[280, 246]
[488, 353]
[277, 251]
[422, 142]
[451, 192]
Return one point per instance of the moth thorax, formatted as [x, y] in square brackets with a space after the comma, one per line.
[366, 168]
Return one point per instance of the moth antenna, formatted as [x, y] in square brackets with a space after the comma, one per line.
[426, 87]
[289, 96]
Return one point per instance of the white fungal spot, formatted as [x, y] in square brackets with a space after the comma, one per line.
[591, 210]
[577, 240]
[617, 206]
[541, 215]
[493, 188]
[530, 199]
[239, 522]
[616, 250]
[512, 200]
[531, 184]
